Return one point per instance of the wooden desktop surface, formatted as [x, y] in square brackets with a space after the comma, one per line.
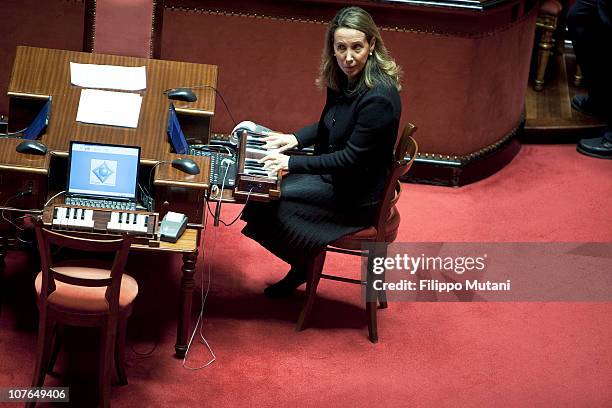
[28, 163]
[41, 72]
[187, 243]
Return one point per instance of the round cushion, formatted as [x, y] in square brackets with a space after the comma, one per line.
[79, 299]
[552, 7]
[354, 240]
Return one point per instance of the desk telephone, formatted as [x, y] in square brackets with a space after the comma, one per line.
[172, 226]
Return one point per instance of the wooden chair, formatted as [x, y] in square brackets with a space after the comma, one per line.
[561, 34]
[83, 293]
[546, 23]
[381, 233]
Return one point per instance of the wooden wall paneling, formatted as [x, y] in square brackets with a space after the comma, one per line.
[49, 23]
[123, 27]
[465, 72]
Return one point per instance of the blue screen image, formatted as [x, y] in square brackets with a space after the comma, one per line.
[175, 133]
[103, 170]
[39, 123]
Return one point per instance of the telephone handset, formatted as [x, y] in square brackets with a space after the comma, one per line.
[172, 226]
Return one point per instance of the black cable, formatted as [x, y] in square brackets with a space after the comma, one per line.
[147, 354]
[150, 187]
[237, 217]
[18, 195]
[216, 92]
[143, 355]
[213, 148]
[8, 134]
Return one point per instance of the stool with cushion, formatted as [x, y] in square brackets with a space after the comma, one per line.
[382, 232]
[547, 23]
[83, 293]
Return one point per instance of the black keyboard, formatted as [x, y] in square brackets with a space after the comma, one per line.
[101, 203]
[219, 170]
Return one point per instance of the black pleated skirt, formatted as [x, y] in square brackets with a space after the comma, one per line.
[308, 216]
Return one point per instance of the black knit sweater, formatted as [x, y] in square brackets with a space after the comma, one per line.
[356, 147]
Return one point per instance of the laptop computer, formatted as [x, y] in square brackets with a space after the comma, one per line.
[102, 175]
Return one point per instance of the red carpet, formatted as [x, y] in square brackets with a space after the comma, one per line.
[429, 355]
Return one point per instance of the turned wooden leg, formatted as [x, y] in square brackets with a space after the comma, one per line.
[57, 344]
[314, 269]
[578, 76]
[547, 24]
[120, 349]
[382, 294]
[3, 250]
[43, 352]
[187, 285]
[109, 331]
[373, 295]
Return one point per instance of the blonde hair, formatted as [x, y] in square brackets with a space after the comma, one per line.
[380, 68]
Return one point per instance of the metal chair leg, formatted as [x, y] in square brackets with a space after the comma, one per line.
[548, 24]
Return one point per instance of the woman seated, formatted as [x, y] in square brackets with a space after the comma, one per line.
[334, 192]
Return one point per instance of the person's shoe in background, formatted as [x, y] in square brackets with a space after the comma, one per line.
[588, 106]
[600, 147]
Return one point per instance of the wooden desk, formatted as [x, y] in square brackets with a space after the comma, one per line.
[40, 73]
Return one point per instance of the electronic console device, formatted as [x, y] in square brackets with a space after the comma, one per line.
[172, 226]
[222, 165]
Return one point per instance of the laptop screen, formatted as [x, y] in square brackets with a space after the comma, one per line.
[103, 170]
[175, 133]
[39, 123]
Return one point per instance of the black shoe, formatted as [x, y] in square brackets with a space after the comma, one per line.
[599, 147]
[587, 106]
[285, 287]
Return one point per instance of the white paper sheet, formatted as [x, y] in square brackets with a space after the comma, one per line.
[108, 76]
[109, 108]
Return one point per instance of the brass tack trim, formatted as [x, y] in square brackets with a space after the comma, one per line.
[479, 153]
[426, 31]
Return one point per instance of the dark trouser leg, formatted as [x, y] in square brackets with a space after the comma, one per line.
[592, 40]
[296, 276]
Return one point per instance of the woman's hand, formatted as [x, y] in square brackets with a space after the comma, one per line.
[273, 162]
[279, 141]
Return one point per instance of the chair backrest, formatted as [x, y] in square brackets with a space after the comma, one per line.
[123, 27]
[406, 150]
[120, 247]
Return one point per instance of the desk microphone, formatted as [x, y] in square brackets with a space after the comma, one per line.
[182, 94]
[186, 94]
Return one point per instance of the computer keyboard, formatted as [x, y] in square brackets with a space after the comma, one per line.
[219, 170]
[101, 203]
